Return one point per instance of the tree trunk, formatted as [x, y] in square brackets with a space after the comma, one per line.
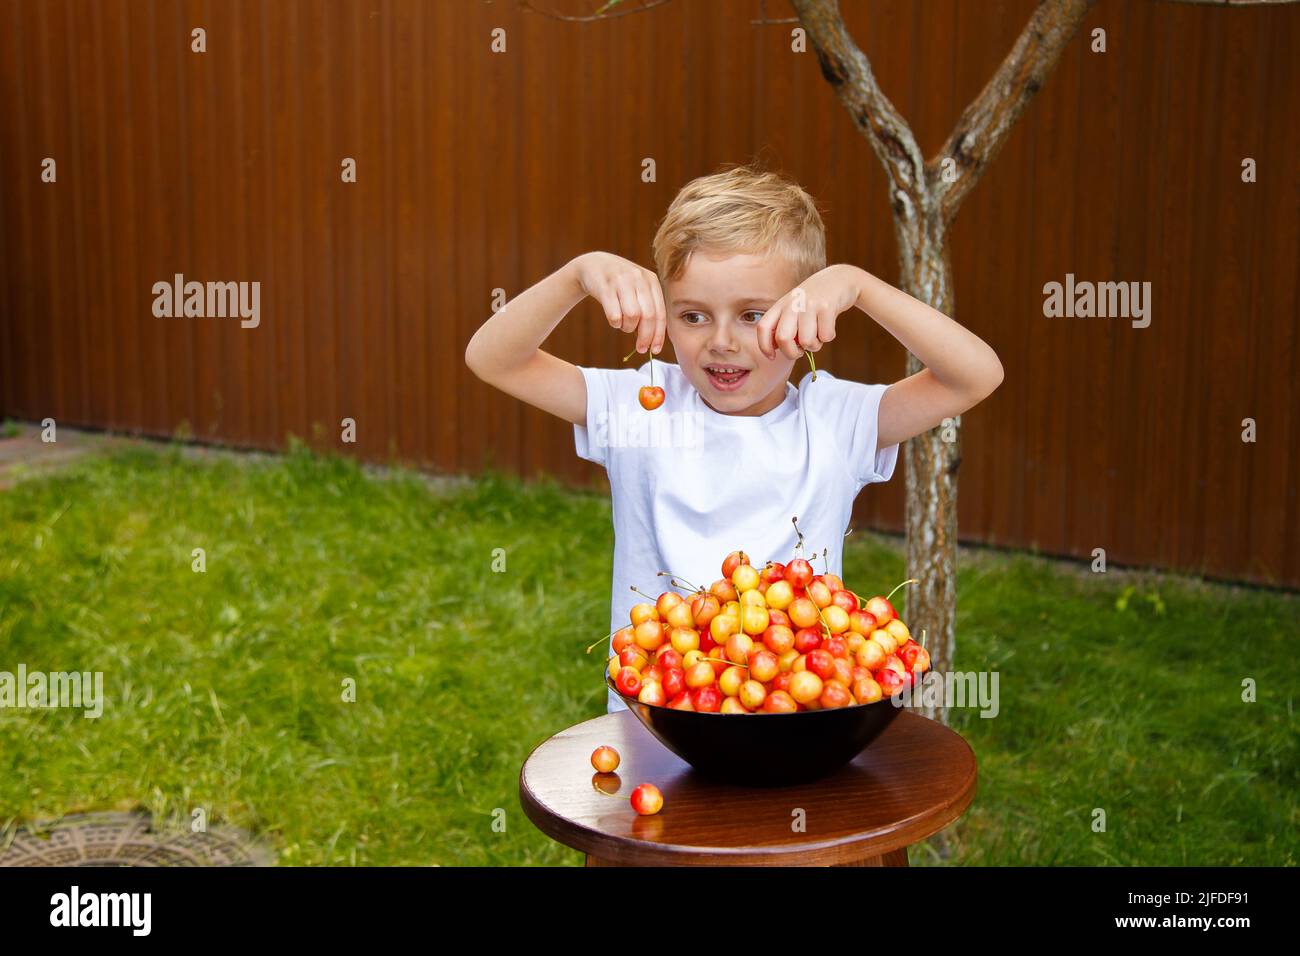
[924, 197]
[930, 464]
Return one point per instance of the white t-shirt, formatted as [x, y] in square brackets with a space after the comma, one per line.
[689, 484]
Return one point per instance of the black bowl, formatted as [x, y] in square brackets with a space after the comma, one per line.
[765, 750]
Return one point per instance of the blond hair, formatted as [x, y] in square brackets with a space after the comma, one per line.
[741, 209]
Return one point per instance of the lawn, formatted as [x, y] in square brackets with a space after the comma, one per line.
[1120, 691]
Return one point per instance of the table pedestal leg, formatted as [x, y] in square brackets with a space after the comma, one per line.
[892, 858]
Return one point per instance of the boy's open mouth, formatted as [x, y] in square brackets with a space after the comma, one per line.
[726, 378]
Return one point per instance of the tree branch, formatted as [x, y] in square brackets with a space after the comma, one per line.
[606, 12]
[1234, 3]
[984, 126]
[848, 71]
[764, 21]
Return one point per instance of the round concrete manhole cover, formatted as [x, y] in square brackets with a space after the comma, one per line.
[128, 839]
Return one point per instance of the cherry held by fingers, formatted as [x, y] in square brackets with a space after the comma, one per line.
[651, 397]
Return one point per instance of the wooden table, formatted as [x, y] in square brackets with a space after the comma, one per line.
[913, 780]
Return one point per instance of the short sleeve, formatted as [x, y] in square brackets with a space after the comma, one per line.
[611, 401]
[588, 440]
[852, 410]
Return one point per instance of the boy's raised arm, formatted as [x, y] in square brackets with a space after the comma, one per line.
[961, 369]
[506, 350]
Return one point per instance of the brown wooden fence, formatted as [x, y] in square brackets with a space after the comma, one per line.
[479, 170]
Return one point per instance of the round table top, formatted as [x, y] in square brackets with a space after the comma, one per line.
[912, 781]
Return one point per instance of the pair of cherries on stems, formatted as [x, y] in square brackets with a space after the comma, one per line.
[652, 396]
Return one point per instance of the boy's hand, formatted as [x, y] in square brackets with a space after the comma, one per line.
[804, 318]
[630, 295]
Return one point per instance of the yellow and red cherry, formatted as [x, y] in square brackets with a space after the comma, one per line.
[605, 759]
[650, 397]
[800, 573]
[882, 610]
[733, 561]
[628, 682]
[647, 800]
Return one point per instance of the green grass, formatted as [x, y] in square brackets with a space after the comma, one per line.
[225, 687]
[1128, 697]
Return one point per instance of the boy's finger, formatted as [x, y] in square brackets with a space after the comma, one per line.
[645, 302]
[808, 332]
[778, 343]
[787, 335]
[661, 330]
[661, 312]
[609, 302]
[767, 331]
[627, 304]
[826, 324]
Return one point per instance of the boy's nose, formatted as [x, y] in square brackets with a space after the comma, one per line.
[722, 340]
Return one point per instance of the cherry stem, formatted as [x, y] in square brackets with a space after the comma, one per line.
[722, 660]
[908, 581]
[598, 790]
[683, 583]
[652, 363]
[605, 638]
[644, 595]
[823, 620]
[794, 520]
[811, 364]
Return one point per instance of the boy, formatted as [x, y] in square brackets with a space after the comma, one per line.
[742, 291]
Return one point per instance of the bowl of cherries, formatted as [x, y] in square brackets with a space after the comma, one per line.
[770, 677]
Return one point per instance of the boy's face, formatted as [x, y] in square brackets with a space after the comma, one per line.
[713, 313]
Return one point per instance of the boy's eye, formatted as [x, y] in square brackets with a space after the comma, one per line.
[752, 317]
